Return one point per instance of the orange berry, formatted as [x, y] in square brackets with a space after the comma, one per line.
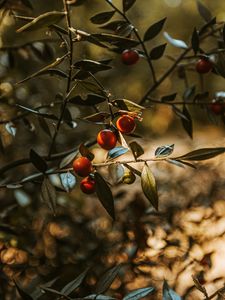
[82, 166]
[126, 124]
[87, 185]
[107, 139]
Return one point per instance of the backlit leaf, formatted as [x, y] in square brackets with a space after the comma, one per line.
[168, 293]
[175, 42]
[149, 186]
[107, 279]
[164, 150]
[104, 194]
[139, 293]
[117, 151]
[68, 181]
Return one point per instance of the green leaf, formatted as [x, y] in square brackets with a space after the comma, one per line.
[175, 42]
[149, 186]
[115, 40]
[107, 279]
[43, 21]
[74, 284]
[154, 30]
[204, 11]
[195, 41]
[38, 161]
[127, 4]
[90, 100]
[98, 118]
[139, 293]
[168, 293]
[48, 194]
[127, 105]
[157, 52]
[104, 194]
[202, 154]
[187, 122]
[91, 66]
[169, 98]
[44, 126]
[164, 151]
[136, 149]
[103, 17]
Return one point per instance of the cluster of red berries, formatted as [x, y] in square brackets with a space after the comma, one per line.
[107, 140]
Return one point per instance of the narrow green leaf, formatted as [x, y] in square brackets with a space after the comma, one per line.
[149, 186]
[154, 30]
[202, 154]
[139, 293]
[48, 194]
[102, 17]
[74, 284]
[127, 4]
[38, 161]
[157, 52]
[42, 21]
[107, 279]
[104, 194]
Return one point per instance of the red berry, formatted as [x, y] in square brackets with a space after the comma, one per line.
[217, 108]
[126, 124]
[130, 57]
[87, 185]
[203, 66]
[82, 166]
[107, 139]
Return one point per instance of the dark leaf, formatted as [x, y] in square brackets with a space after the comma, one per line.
[175, 42]
[92, 87]
[38, 161]
[84, 151]
[48, 194]
[24, 295]
[116, 40]
[114, 25]
[91, 66]
[168, 293]
[52, 72]
[202, 154]
[36, 112]
[133, 170]
[68, 181]
[91, 100]
[117, 151]
[189, 92]
[74, 284]
[149, 186]
[42, 51]
[127, 105]
[127, 4]
[187, 123]
[136, 149]
[105, 195]
[102, 18]
[107, 279]
[169, 98]
[42, 21]
[99, 297]
[154, 30]
[207, 25]
[164, 150]
[195, 41]
[187, 164]
[44, 126]
[204, 11]
[157, 52]
[139, 293]
[98, 118]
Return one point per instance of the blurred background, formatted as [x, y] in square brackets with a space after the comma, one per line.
[187, 236]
